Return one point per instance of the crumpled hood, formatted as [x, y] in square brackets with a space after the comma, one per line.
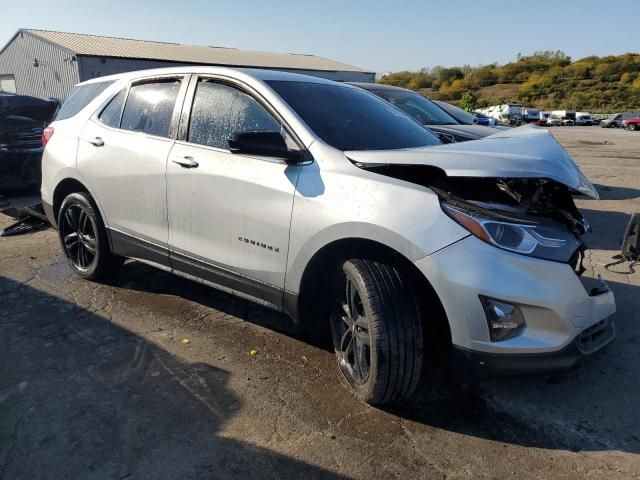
[524, 152]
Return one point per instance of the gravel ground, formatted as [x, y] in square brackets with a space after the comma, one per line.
[151, 376]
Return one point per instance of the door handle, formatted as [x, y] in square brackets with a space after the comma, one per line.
[96, 141]
[185, 162]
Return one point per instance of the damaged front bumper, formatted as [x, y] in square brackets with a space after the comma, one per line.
[470, 365]
[566, 317]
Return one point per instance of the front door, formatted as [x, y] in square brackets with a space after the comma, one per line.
[229, 214]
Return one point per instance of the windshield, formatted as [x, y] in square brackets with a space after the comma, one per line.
[348, 118]
[420, 108]
[460, 115]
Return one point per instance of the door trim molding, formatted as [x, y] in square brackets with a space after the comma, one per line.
[231, 282]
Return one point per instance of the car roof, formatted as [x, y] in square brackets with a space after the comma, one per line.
[379, 86]
[256, 73]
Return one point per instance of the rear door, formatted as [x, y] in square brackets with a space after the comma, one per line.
[122, 155]
[229, 214]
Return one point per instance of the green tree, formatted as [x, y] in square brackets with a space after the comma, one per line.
[469, 101]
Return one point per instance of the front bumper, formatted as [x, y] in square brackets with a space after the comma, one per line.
[470, 366]
[555, 303]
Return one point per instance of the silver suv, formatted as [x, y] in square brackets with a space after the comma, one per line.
[323, 201]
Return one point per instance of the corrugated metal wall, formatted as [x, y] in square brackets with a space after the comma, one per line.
[57, 73]
[92, 67]
[54, 77]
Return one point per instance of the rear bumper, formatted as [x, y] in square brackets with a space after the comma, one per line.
[470, 366]
[48, 210]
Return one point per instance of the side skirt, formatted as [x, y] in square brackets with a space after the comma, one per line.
[196, 270]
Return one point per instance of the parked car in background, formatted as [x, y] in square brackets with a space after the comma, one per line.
[583, 118]
[544, 116]
[553, 121]
[567, 117]
[615, 120]
[323, 201]
[22, 120]
[531, 115]
[632, 124]
[508, 113]
[484, 119]
[428, 113]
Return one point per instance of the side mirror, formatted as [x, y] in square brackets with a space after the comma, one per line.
[264, 144]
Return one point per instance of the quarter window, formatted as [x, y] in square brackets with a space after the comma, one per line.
[149, 107]
[111, 114]
[80, 97]
[220, 110]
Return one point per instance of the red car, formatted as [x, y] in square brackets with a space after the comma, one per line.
[632, 123]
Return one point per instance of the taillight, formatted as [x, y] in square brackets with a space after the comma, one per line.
[47, 133]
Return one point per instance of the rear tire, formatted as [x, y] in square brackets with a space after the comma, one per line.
[377, 331]
[83, 238]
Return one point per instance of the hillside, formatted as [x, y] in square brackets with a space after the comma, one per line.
[547, 80]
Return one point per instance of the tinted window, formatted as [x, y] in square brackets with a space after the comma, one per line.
[420, 108]
[219, 110]
[149, 107]
[460, 115]
[79, 98]
[349, 118]
[112, 112]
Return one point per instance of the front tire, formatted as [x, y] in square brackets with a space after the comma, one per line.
[631, 127]
[83, 238]
[377, 331]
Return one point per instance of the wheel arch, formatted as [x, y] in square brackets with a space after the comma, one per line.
[63, 188]
[310, 308]
[70, 185]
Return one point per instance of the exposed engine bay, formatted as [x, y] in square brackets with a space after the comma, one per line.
[513, 190]
[520, 201]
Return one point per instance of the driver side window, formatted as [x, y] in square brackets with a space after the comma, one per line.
[219, 110]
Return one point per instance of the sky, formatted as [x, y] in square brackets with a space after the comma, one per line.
[376, 35]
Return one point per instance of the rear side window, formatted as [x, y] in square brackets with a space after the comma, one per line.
[80, 97]
[220, 110]
[149, 107]
[111, 114]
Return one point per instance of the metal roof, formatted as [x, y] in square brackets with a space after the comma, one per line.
[93, 45]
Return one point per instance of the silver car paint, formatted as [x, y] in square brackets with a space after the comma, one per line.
[333, 199]
[524, 152]
[233, 211]
[550, 295]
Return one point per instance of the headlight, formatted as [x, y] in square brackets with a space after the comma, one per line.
[551, 241]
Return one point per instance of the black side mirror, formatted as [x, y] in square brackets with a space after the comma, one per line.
[264, 144]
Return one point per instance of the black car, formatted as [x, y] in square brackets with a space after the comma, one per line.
[22, 119]
[428, 113]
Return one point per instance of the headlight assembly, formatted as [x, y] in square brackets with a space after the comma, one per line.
[547, 240]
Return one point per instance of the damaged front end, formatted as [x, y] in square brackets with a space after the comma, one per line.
[517, 212]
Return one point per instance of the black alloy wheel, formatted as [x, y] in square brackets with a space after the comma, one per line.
[352, 331]
[377, 330]
[78, 234]
[83, 237]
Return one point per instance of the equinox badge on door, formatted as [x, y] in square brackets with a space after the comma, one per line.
[259, 244]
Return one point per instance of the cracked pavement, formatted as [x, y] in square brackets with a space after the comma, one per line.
[96, 382]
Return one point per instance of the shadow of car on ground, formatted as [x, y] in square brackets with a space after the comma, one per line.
[84, 398]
